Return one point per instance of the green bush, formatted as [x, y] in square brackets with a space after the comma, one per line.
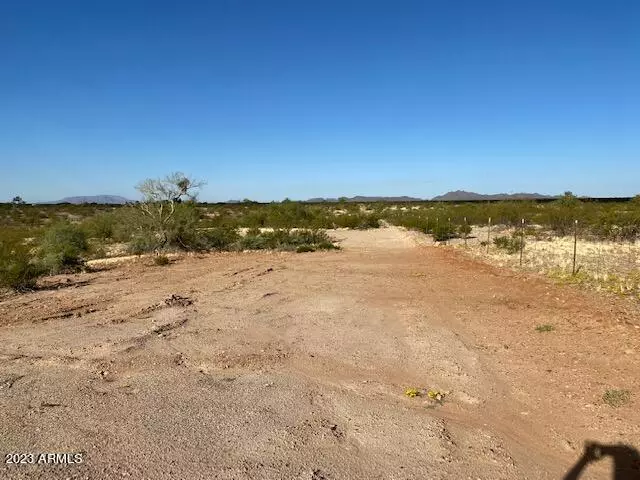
[143, 242]
[252, 242]
[179, 231]
[510, 244]
[161, 260]
[464, 230]
[442, 233]
[129, 221]
[219, 238]
[327, 245]
[102, 226]
[305, 248]
[61, 248]
[369, 220]
[346, 221]
[182, 229]
[312, 237]
[283, 239]
[17, 269]
[359, 221]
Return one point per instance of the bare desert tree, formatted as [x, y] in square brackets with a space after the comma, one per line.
[160, 198]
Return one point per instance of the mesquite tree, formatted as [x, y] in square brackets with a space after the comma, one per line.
[160, 198]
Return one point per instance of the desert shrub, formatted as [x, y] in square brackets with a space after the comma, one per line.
[102, 226]
[128, 222]
[545, 328]
[161, 260]
[616, 398]
[18, 271]
[305, 248]
[61, 248]
[143, 242]
[283, 239]
[256, 218]
[369, 220]
[253, 242]
[360, 221]
[182, 229]
[568, 200]
[97, 251]
[346, 221]
[442, 233]
[312, 237]
[464, 230]
[178, 231]
[327, 245]
[510, 244]
[219, 238]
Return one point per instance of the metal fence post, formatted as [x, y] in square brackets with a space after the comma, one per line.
[465, 232]
[521, 241]
[575, 245]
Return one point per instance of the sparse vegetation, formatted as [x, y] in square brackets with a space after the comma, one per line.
[283, 239]
[616, 398]
[165, 220]
[442, 233]
[220, 238]
[17, 269]
[545, 328]
[161, 260]
[412, 392]
[62, 247]
[437, 395]
[169, 219]
[511, 244]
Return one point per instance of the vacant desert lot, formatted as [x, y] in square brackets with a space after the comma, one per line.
[268, 366]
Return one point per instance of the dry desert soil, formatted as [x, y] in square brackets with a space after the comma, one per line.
[295, 366]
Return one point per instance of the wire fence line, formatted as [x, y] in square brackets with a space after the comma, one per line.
[612, 265]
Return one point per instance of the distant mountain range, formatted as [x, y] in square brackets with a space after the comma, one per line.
[361, 199]
[103, 199]
[462, 196]
[457, 196]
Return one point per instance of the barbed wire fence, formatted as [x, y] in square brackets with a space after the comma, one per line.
[577, 256]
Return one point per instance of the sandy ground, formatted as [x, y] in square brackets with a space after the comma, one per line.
[284, 365]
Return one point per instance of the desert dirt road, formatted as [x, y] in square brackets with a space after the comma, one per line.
[284, 365]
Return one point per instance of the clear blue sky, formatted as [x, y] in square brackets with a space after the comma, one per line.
[271, 99]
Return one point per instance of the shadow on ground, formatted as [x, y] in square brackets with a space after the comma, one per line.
[626, 461]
